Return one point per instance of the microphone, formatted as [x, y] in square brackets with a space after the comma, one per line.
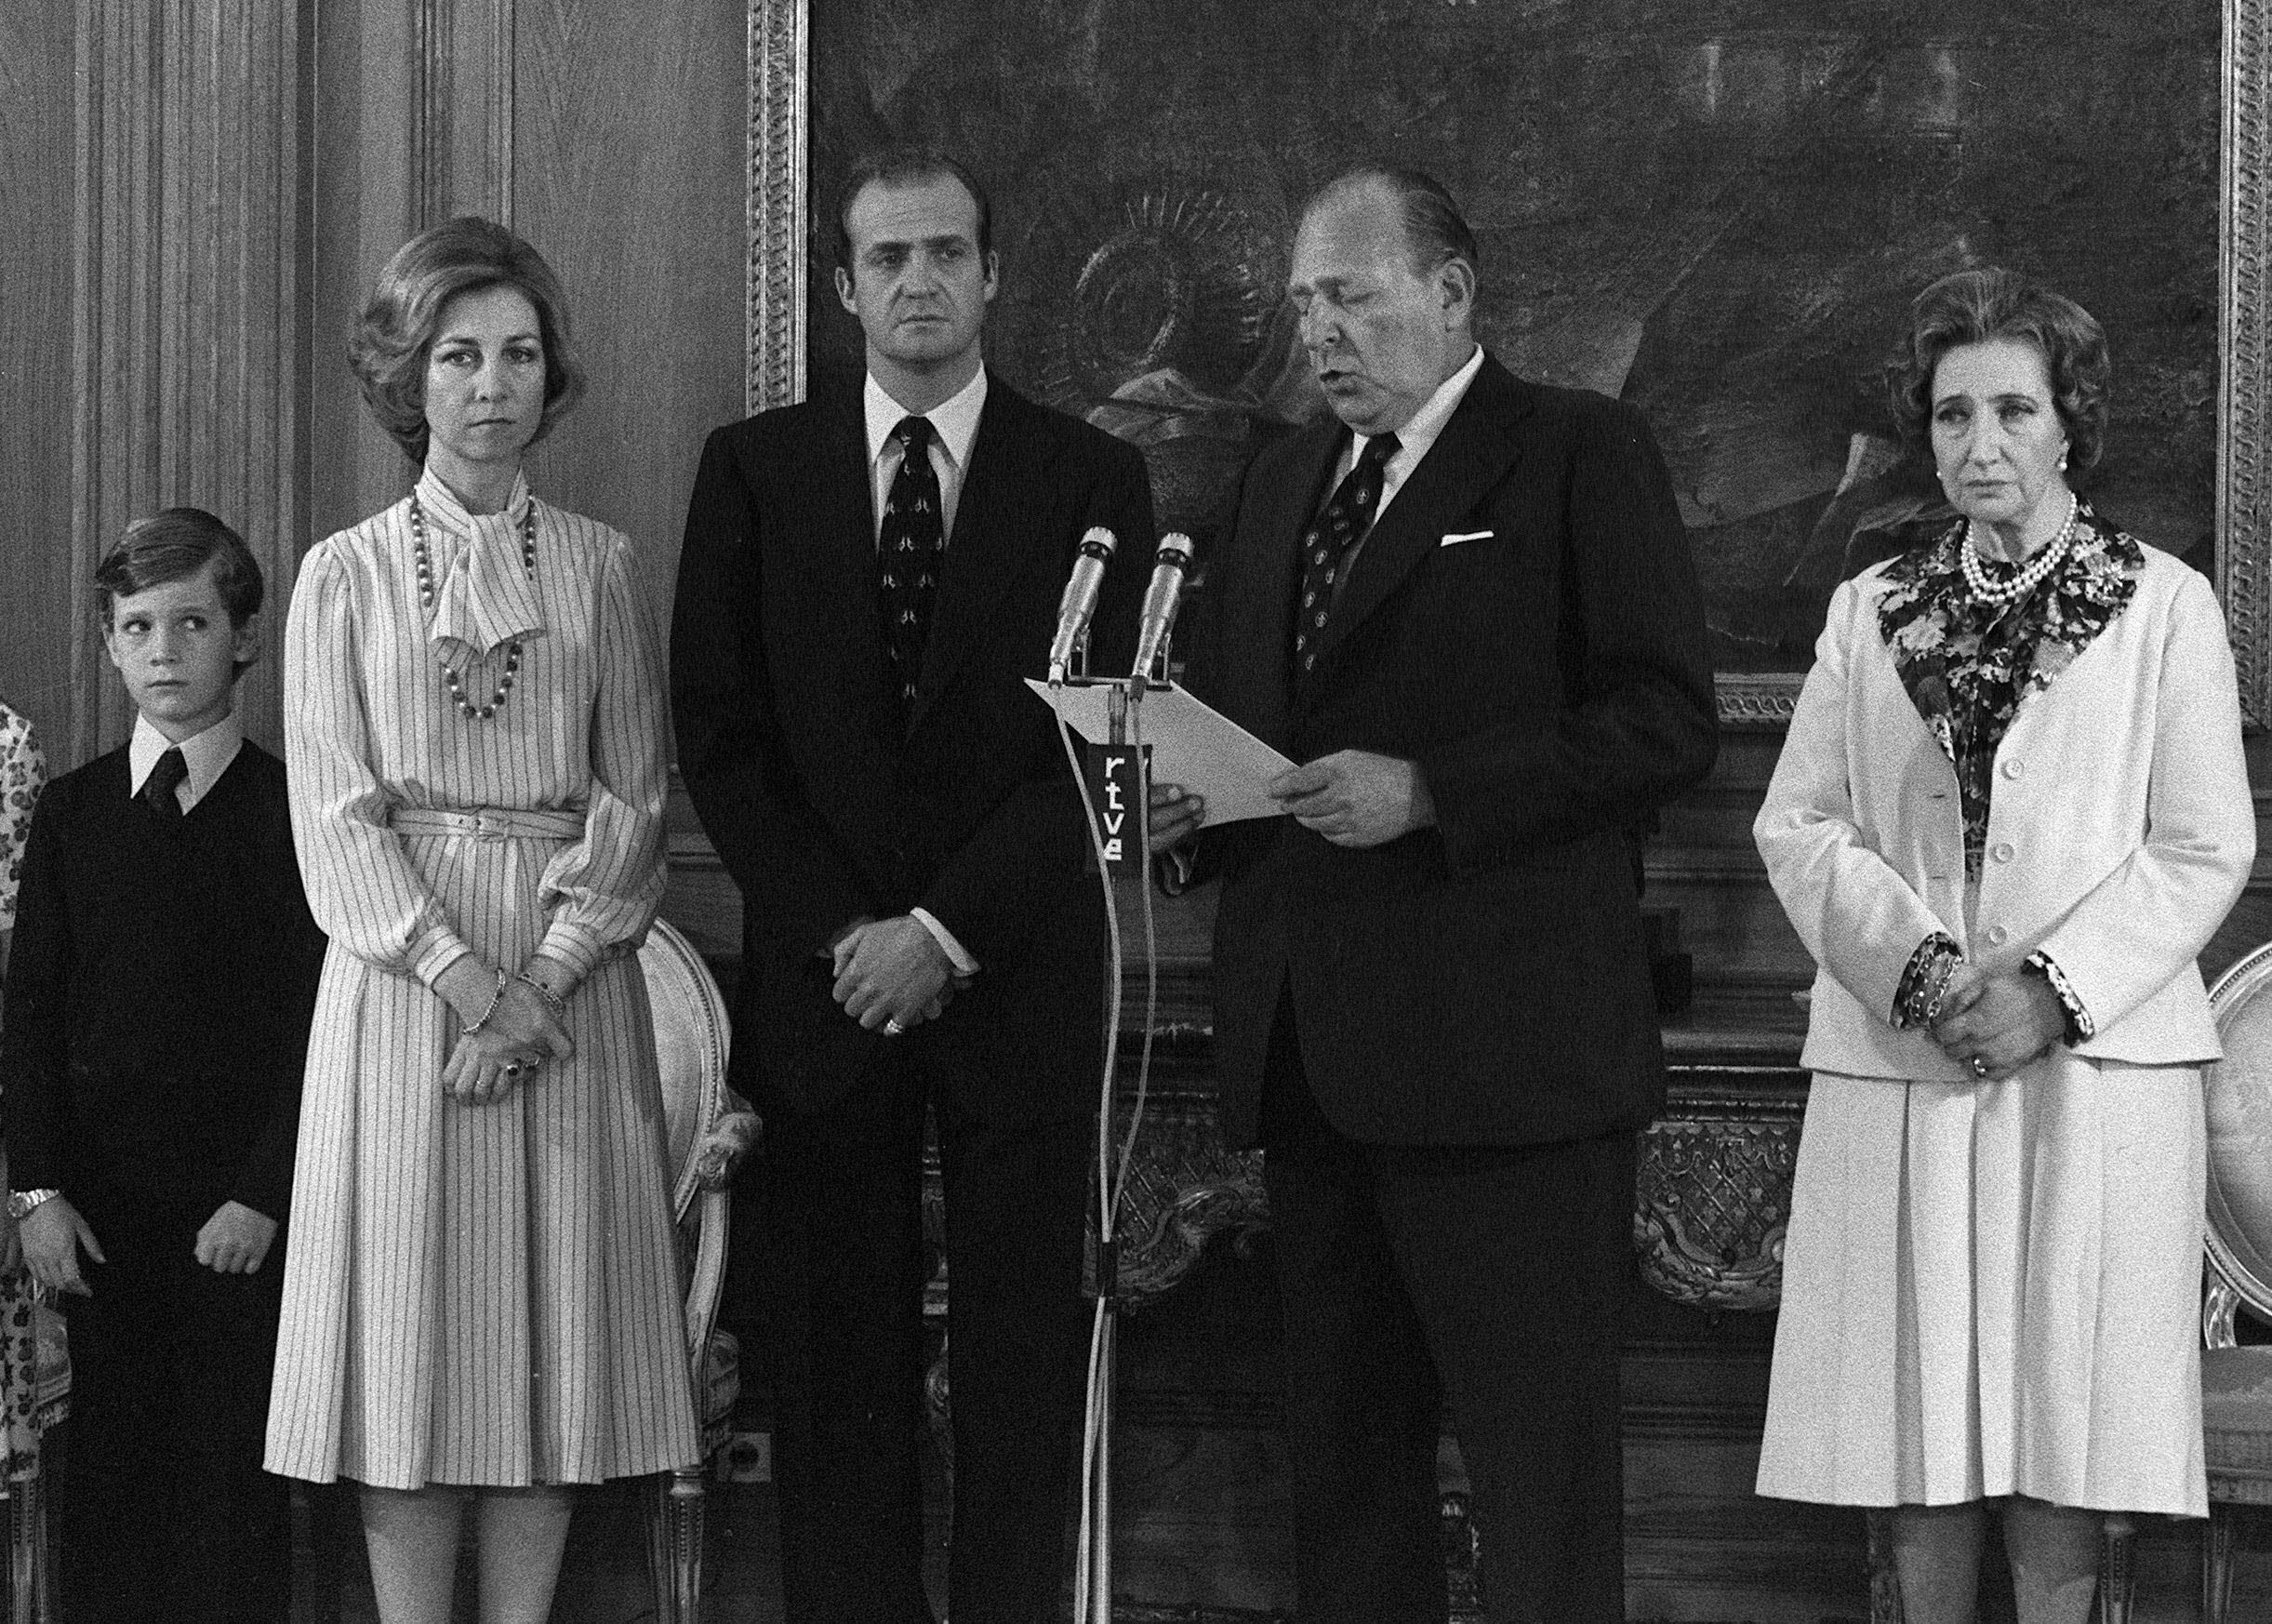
[1078, 606]
[1161, 599]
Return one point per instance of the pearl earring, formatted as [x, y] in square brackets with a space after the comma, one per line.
[2063, 462]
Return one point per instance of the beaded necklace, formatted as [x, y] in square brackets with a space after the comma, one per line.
[426, 600]
[2025, 581]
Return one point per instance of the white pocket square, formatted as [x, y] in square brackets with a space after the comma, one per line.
[1459, 536]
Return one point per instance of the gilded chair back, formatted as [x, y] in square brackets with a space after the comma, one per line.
[691, 1035]
[2237, 1092]
[708, 1129]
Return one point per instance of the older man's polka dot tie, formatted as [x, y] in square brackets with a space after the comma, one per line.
[910, 549]
[1326, 544]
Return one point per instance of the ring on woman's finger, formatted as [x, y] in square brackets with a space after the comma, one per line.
[1980, 1067]
[892, 1027]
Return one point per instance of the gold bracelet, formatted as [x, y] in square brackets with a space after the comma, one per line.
[494, 999]
[558, 1005]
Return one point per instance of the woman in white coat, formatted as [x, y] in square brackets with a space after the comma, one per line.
[2011, 811]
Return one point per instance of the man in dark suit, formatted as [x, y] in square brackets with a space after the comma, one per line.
[867, 579]
[1466, 608]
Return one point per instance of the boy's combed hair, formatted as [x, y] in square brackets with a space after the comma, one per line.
[397, 329]
[173, 545]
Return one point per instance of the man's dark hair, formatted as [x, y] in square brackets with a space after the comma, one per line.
[173, 545]
[1433, 224]
[896, 167]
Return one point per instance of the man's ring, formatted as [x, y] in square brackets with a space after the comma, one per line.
[1980, 1067]
[892, 1027]
[514, 1068]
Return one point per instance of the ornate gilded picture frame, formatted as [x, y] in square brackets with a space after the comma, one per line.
[1778, 516]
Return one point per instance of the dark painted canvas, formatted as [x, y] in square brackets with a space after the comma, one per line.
[1717, 209]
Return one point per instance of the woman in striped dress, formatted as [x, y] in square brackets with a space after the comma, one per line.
[481, 1285]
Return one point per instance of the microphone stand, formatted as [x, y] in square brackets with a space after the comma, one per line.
[1092, 1591]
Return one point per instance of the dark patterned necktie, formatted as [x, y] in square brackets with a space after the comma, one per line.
[909, 550]
[163, 779]
[1325, 546]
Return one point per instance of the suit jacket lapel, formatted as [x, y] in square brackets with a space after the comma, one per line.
[1469, 456]
[832, 575]
[981, 561]
[1258, 651]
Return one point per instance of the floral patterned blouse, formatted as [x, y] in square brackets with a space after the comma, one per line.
[21, 774]
[1969, 666]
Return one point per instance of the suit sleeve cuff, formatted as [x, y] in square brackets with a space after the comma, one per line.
[964, 964]
[1917, 998]
[2081, 1027]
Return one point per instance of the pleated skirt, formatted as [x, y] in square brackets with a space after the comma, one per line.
[480, 1295]
[1993, 1289]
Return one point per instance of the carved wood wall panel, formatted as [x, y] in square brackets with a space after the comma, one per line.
[186, 327]
[628, 174]
[462, 111]
[37, 187]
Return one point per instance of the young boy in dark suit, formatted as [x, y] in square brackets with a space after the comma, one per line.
[156, 1023]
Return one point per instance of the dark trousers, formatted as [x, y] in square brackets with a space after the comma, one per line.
[1493, 1277]
[839, 1291]
[164, 1511]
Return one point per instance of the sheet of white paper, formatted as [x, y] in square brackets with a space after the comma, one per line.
[1192, 744]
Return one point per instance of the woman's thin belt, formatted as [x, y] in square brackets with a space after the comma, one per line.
[488, 823]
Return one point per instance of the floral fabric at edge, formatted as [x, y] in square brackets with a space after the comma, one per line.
[21, 774]
[1967, 666]
[26, 1409]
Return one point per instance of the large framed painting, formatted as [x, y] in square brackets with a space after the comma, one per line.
[1717, 211]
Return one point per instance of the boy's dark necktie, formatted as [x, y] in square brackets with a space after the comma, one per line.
[909, 548]
[1326, 543]
[163, 779]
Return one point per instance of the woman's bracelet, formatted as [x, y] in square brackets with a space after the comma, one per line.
[476, 1026]
[553, 1001]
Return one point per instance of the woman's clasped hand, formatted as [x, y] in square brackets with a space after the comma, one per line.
[1994, 1023]
[510, 1031]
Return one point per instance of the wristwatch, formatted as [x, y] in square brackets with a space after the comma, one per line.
[22, 1201]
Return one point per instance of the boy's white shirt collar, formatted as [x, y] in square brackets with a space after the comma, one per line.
[207, 754]
[954, 419]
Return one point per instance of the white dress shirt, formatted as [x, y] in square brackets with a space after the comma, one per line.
[1412, 442]
[955, 425]
[207, 754]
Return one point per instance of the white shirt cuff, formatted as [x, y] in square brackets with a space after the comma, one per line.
[964, 964]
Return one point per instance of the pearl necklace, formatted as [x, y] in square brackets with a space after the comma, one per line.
[426, 601]
[2028, 579]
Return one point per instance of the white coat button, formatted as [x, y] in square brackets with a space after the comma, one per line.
[1998, 935]
[2013, 769]
[2002, 853]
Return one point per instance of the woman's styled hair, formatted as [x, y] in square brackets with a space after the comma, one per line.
[397, 331]
[1974, 306]
[174, 544]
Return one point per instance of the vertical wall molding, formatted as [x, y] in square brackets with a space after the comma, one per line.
[461, 107]
[430, 142]
[186, 323]
[778, 210]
